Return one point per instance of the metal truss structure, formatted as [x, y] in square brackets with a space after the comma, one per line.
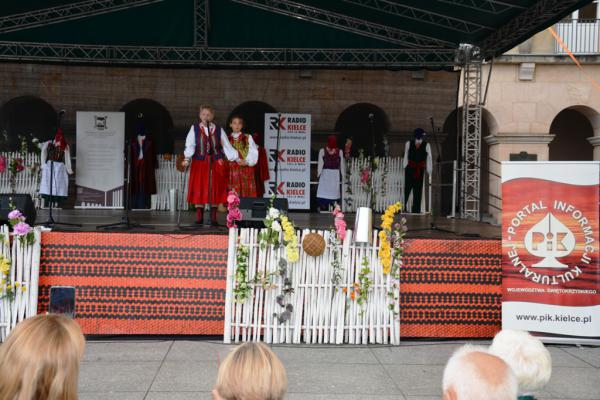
[469, 58]
[53, 15]
[487, 6]
[421, 15]
[347, 23]
[201, 22]
[232, 57]
[525, 24]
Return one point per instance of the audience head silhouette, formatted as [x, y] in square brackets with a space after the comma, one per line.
[526, 355]
[40, 359]
[474, 374]
[251, 372]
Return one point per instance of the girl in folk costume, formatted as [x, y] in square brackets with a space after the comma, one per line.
[261, 170]
[56, 168]
[331, 168]
[241, 172]
[207, 145]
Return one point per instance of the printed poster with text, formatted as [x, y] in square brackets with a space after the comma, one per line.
[294, 158]
[550, 249]
[100, 159]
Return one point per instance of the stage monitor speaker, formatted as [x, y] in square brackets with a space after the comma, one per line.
[21, 202]
[254, 209]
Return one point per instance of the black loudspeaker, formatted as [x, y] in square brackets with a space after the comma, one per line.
[254, 209]
[21, 202]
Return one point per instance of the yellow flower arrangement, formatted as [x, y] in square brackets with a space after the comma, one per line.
[290, 239]
[4, 265]
[385, 249]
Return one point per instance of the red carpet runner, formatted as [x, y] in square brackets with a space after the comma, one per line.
[130, 283]
[139, 283]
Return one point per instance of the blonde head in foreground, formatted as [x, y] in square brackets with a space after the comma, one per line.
[40, 359]
[251, 372]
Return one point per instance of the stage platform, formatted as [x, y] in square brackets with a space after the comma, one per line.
[165, 221]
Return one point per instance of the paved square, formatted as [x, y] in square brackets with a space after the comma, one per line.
[187, 369]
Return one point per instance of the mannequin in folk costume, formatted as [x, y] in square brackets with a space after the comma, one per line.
[206, 141]
[241, 172]
[417, 159]
[331, 168]
[143, 163]
[56, 168]
[261, 170]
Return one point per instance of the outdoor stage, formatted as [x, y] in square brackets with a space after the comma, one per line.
[168, 282]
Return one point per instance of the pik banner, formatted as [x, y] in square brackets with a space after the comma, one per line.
[294, 157]
[550, 249]
[100, 159]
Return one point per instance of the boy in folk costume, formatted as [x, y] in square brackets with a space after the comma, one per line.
[241, 172]
[207, 145]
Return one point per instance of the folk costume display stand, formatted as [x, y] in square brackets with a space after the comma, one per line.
[52, 150]
[126, 223]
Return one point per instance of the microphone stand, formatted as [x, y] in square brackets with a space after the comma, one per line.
[211, 153]
[126, 223]
[51, 221]
[276, 168]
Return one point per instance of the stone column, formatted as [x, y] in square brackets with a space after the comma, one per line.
[595, 141]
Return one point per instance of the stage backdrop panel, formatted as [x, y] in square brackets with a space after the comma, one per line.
[550, 259]
[128, 283]
[450, 288]
[100, 159]
[294, 157]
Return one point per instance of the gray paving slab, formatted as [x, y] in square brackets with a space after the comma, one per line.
[590, 355]
[561, 357]
[185, 376]
[120, 376]
[112, 395]
[573, 383]
[187, 350]
[325, 354]
[417, 380]
[329, 378]
[179, 396]
[126, 350]
[415, 353]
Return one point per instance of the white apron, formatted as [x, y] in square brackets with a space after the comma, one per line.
[61, 179]
[329, 184]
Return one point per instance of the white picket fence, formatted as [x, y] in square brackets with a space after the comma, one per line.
[28, 181]
[388, 190]
[322, 313]
[24, 269]
[171, 185]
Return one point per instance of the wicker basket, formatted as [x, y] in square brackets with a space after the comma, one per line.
[313, 244]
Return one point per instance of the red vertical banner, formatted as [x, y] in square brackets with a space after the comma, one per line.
[550, 249]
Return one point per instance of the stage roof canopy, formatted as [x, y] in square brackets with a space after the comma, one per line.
[269, 33]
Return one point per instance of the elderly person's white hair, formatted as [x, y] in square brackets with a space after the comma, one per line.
[472, 373]
[527, 356]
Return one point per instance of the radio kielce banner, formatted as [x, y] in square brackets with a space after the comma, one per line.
[100, 159]
[550, 249]
[294, 158]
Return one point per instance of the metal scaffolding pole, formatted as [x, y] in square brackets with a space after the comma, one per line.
[470, 59]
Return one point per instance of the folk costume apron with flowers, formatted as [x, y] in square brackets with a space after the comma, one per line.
[241, 178]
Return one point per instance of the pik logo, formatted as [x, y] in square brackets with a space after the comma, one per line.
[101, 122]
[549, 239]
[274, 155]
[277, 123]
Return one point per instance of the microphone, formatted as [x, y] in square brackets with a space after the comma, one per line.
[371, 116]
[61, 112]
[140, 115]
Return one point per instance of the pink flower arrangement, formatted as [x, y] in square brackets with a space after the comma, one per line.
[339, 222]
[16, 214]
[18, 164]
[364, 176]
[2, 164]
[21, 229]
[234, 214]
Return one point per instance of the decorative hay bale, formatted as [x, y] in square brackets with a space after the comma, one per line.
[313, 244]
